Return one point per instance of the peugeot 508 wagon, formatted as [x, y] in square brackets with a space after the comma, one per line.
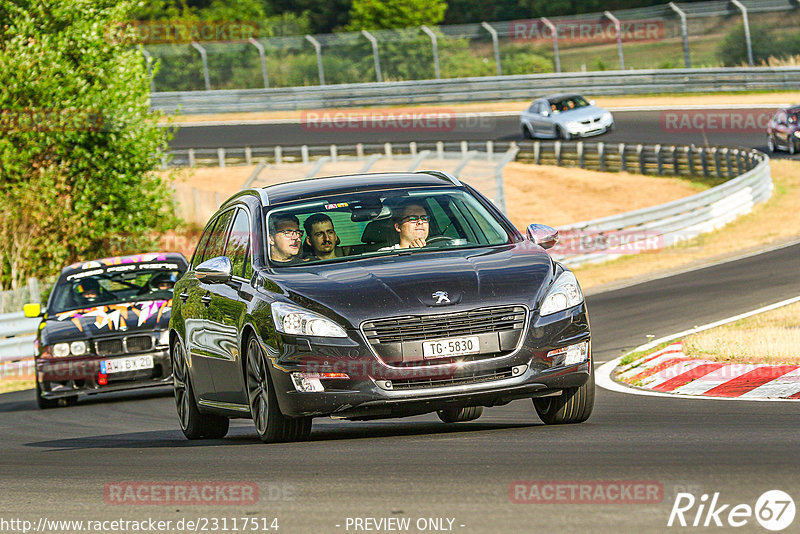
[373, 296]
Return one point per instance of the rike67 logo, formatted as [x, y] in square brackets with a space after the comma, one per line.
[774, 510]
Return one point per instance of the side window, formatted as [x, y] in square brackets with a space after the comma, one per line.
[216, 244]
[239, 242]
[197, 258]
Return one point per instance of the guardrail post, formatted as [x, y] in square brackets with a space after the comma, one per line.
[439, 150]
[489, 150]
[375, 57]
[618, 26]
[640, 155]
[334, 154]
[581, 162]
[623, 163]
[148, 62]
[359, 151]
[387, 148]
[412, 148]
[601, 154]
[204, 60]
[464, 148]
[304, 154]
[278, 155]
[554, 32]
[676, 168]
[318, 50]
[738, 155]
[685, 33]
[537, 152]
[191, 157]
[486, 26]
[659, 162]
[262, 58]
[743, 9]
[717, 165]
[704, 161]
[248, 155]
[435, 46]
[690, 159]
[221, 157]
[557, 150]
[729, 162]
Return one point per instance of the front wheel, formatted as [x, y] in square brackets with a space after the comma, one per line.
[574, 405]
[561, 133]
[526, 132]
[770, 144]
[195, 425]
[272, 426]
[792, 147]
[42, 402]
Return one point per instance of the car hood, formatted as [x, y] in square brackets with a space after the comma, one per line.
[101, 321]
[580, 114]
[414, 283]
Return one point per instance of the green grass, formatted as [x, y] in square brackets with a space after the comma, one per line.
[633, 356]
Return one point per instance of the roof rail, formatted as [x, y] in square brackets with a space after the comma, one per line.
[443, 175]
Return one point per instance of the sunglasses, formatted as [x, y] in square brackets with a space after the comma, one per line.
[291, 233]
[416, 218]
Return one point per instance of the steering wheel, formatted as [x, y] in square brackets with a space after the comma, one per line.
[439, 239]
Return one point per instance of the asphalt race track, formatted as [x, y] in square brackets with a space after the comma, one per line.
[58, 464]
[630, 126]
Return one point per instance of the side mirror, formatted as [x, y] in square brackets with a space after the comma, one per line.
[214, 271]
[32, 310]
[543, 235]
[545, 113]
[591, 102]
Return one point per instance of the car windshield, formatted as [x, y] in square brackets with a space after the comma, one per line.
[102, 287]
[367, 224]
[567, 103]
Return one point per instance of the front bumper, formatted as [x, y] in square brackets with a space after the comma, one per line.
[373, 389]
[588, 130]
[68, 377]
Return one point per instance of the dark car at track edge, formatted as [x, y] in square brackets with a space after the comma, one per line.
[356, 322]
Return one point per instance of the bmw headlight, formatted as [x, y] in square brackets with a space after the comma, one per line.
[76, 348]
[163, 339]
[573, 125]
[564, 293]
[607, 117]
[297, 321]
[60, 350]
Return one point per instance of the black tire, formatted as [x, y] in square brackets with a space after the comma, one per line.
[42, 402]
[561, 134]
[573, 406]
[526, 132]
[460, 415]
[271, 425]
[770, 144]
[792, 147]
[195, 425]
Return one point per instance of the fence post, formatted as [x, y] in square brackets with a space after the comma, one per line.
[387, 148]
[304, 154]
[464, 148]
[318, 50]
[601, 153]
[263, 61]
[191, 157]
[717, 166]
[554, 32]
[221, 157]
[659, 162]
[743, 9]
[618, 26]
[729, 162]
[375, 57]
[278, 155]
[738, 155]
[704, 161]
[581, 162]
[412, 148]
[557, 150]
[248, 155]
[640, 154]
[676, 169]
[204, 59]
[537, 152]
[435, 46]
[439, 150]
[489, 150]
[493, 33]
[359, 151]
[690, 159]
[623, 163]
[685, 33]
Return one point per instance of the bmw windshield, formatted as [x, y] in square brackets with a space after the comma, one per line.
[367, 224]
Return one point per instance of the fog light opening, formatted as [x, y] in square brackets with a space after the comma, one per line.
[311, 382]
[517, 370]
[573, 354]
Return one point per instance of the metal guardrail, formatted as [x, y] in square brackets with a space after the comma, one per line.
[17, 340]
[496, 88]
[664, 225]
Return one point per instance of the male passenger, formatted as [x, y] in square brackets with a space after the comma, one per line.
[284, 239]
[321, 238]
[412, 224]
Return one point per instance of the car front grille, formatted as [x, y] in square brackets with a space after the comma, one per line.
[114, 346]
[486, 376]
[425, 327]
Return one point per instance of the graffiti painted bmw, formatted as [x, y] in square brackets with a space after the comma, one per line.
[105, 327]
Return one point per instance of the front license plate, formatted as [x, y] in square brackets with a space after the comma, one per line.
[121, 365]
[454, 346]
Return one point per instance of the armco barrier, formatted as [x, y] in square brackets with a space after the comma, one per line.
[480, 89]
[16, 338]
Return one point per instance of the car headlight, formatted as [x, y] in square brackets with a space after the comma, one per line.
[76, 348]
[607, 117]
[573, 125]
[797, 133]
[60, 350]
[295, 320]
[163, 339]
[564, 293]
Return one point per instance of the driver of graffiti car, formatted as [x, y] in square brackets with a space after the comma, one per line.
[86, 292]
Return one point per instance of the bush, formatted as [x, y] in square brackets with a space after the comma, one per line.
[732, 50]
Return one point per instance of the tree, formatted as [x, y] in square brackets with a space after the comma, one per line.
[79, 143]
[390, 14]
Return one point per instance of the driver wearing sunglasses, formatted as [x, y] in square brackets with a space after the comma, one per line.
[285, 238]
[412, 224]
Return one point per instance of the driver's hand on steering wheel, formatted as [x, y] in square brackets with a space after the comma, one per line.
[417, 243]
